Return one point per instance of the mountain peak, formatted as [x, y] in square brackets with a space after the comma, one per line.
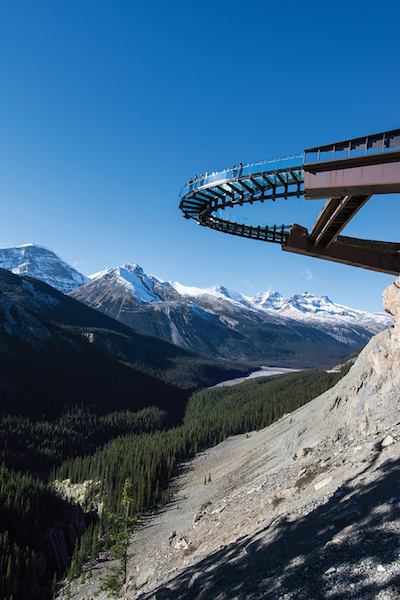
[43, 264]
[232, 295]
[132, 268]
[132, 278]
[267, 300]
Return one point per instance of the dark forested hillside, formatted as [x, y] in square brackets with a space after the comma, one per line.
[56, 352]
[103, 452]
[211, 415]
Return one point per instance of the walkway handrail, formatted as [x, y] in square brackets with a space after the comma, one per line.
[387, 141]
[282, 162]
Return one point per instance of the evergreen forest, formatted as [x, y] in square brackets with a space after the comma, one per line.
[103, 454]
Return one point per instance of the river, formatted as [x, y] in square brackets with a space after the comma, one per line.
[262, 372]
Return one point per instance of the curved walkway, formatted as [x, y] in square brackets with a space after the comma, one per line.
[268, 180]
[346, 173]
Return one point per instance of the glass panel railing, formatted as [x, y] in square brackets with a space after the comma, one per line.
[374, 144]
[341, 153]
[219, 177]
[392, 141]
[310, 156]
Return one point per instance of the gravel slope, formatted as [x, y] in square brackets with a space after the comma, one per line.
[306, 508]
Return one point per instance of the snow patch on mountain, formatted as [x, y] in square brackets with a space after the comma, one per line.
[220, 290]
[188, 291]
[216, 293]
[267, 301]
[309, 308]
[133, 279]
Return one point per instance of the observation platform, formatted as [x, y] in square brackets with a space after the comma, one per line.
[346, 173]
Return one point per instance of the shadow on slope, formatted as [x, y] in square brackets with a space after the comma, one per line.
[306, 558]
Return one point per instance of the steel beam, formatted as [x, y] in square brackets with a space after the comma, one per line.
[383, 257]
[335, 215]
[366, 174]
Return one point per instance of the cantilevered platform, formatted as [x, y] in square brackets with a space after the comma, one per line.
[257, 182]
[347, 173]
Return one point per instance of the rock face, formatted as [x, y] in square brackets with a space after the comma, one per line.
[308, 508]
[368, 399]
[391, 299]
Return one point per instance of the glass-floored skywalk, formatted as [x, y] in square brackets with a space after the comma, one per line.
[203, 199]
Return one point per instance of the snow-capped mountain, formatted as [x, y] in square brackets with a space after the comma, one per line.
[57, 352]
[267, 301]
[133, 279]
[301, 331]
[42, 264]
[320, 311]
[225, 323]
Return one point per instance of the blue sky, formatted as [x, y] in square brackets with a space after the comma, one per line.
[108, 107]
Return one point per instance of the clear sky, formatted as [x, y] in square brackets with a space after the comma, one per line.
[108, 107]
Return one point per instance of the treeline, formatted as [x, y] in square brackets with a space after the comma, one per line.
[110, 449]
[40, 445]
[254, 404]
[148, 460]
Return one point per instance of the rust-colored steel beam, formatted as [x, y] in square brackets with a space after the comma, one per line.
[335, 215]
[383, 257]
[358, 175]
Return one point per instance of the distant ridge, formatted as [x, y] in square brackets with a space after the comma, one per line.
[55, 352]
[303, 331]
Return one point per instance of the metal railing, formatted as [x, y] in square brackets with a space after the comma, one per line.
[373, 144]
[285, 162]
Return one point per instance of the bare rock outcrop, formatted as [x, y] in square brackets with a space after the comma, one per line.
[367, 400]
[391, 300]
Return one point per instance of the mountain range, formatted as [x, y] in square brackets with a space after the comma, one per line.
[57, 353]
[303, 331]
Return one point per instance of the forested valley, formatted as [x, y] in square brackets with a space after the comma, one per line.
[43, 460]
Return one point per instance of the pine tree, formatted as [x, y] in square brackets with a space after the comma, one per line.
[125, 524]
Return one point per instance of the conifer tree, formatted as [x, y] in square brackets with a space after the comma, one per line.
[124, 526]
